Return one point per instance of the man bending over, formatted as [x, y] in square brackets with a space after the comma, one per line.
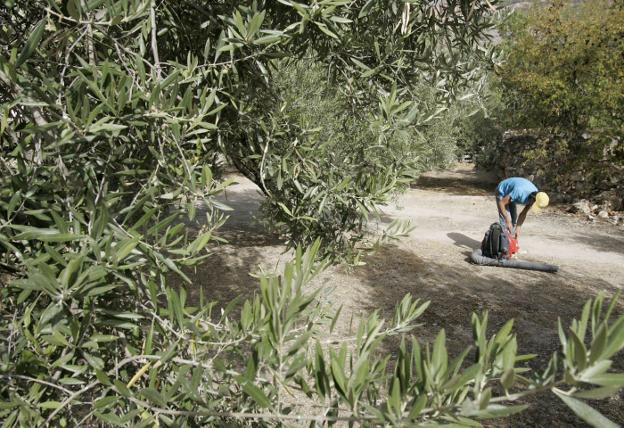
[517, 190]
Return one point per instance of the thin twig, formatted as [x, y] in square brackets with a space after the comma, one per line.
[262, 163]
[87, 22]
[32, 379]
[154, 40]
[247, 415]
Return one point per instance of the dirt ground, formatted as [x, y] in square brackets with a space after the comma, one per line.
[450, 212]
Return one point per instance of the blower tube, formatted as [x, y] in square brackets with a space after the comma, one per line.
[478, 258]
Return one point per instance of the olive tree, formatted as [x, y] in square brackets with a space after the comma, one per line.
[115, 114]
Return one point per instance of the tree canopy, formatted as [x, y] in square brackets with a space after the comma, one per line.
[116, 116]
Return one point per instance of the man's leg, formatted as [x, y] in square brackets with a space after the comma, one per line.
[513, 213]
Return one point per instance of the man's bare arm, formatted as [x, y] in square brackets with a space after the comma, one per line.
[522, 217]
[501, 204]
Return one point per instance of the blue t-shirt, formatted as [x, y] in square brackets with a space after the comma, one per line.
[518, 188]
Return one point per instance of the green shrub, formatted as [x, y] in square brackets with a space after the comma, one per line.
[564, 68]
[113, 116]
[102, 352]
[563, 81]
[367, 159]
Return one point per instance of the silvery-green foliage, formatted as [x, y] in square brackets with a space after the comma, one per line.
[114, 114]
[152, 93]
[129, 358]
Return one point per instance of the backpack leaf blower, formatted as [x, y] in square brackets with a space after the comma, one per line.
[497, 249]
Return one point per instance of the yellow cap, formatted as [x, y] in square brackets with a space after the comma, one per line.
[541, 201]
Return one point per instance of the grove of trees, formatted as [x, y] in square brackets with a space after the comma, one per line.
[115, 119]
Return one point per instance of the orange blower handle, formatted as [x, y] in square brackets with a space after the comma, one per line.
[513, 245]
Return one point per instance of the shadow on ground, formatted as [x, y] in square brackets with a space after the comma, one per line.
[229, 272]
[534, 301]
[462, 241]
[244, 226]
[459, 183]
[612, 242]
[226, 275]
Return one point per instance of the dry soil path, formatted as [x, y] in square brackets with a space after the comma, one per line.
[450, 212]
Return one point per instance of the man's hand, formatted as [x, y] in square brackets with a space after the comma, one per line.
[509, 225]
